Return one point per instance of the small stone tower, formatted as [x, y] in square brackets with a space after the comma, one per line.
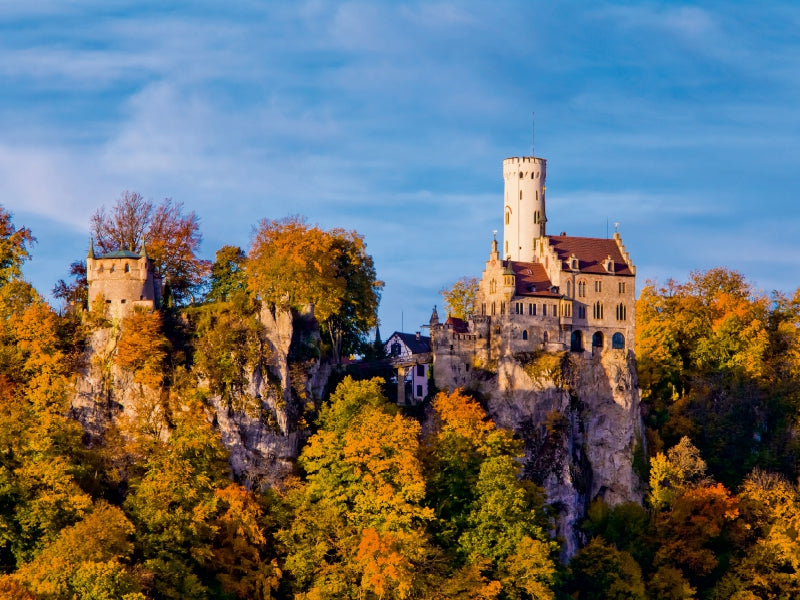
[524, 213]
[124, 279]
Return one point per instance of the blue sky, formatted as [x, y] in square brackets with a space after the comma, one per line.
[679, 121]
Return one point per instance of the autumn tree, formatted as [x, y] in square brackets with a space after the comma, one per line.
[460, 297]
[292, 265]
[359, 520]
[171, 237]
[708, 356]
[14, 247]
[142, 347]
[486, 516]
[600, 572]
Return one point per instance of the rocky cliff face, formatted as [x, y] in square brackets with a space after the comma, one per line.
[579, 418]
[260, 423]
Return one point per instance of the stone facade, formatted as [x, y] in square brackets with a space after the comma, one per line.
[550, 293]
[124, 280]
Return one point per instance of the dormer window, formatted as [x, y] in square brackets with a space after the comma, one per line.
[609, 264]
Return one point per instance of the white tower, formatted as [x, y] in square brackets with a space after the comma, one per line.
[524, 216]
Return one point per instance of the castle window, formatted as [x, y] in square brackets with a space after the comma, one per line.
[533, 175]
[108, 301]
[508, 217]
[127, 268]
[597, 310]
[100, 270]
[598, 286]
[545, 337]
[622, 312]
[519, 309]
[493, 284]
[618, 341]
[524, 334]
[113, 268]
[597, 340]
[581, 312]
[568, 309]
[532, 309]
[581, 289]
[506, 246]
[420, 370]
[502, 308]
[483, 308]
[493, 309]
[521, 175]
[419, 391]
[621, 287]
[544, 310]
[520, 194]
[576, 342]
[122, 301]
[569, 288]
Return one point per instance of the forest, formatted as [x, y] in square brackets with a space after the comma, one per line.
[384, 502]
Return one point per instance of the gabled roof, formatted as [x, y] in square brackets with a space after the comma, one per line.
[121, 254]
[590, 252]
[417, 346]
[532, 279]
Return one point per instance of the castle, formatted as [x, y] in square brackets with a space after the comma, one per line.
[544, 293]
[123, 280]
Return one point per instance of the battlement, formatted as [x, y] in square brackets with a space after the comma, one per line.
[526, 165]
[124, 280]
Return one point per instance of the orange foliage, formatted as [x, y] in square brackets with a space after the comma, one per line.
[461, 415]
[697, 520]
[142, 348]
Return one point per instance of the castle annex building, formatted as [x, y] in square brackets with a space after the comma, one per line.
[123, 280]
[541, 292]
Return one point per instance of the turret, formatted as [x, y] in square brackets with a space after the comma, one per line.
[524, 216]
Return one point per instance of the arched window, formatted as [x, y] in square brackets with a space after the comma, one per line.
[622, 312]
[113, 268]
[569, 289]
[597, 340]
[618, 341]
[508, 217]
[576, 342]
[127, 268]
[597, 310]
[524, 334]
[581, 289]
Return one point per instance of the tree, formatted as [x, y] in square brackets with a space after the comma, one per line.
[460, 297]
[292, 265]
[14, 247]
[601, 572]
[360, 520]
[142, 348]
[75, 293]
[227, 274]
[171, 238]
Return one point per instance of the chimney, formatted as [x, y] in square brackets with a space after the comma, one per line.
[418, 336]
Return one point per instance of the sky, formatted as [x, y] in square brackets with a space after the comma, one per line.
[679, 121]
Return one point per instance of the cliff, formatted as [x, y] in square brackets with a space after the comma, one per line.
[260, 419]
[578, 415]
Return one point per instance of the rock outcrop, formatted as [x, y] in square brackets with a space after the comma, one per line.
[578, 415]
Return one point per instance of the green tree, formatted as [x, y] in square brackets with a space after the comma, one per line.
[227, 274]
[601, 572]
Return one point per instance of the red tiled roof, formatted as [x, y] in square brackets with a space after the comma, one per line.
[590, 252]
[532, 279]
[458, 325]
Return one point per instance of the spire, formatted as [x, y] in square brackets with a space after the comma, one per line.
[434, 317]
[143, 253]
[91, 248]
